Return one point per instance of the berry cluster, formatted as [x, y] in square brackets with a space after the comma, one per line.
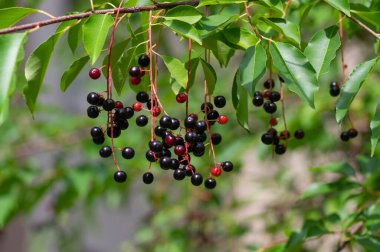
[268, 99]
[347, 135]
[173, 141]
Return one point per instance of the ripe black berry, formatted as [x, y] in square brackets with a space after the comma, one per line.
[148, 178]
[175, 124]
[299, 134]
[116, 132]
[165, 163]
[94, 73]
[156, 146]
[189, 170]
[334, 91]
[128, 153]
[345, 136]
[216, 138]
[209, 106]
[210, 183]
[99, 140]
[142, 97]
[93, 111]
[96, 132]
[105, 151]
[179, 174]
[122, 124]
[93, 98]
[120, 176]
[270, 107]
[274, 96]
[197, 179]
[190, 122]
[268, 84]
[159, 131]
[258, 99]
[201, 126]
[175, 164]
[213, 115]
[100, 102]
[191, 137]
[135, 71]
[150, 156]
[144, 60]
[352, 133]
[280, 149]
[108, 104]
[267, 138]
[179, 141]
[141, 120]
[219, 101]
[166, 121]
[198, 148]
[227, 166]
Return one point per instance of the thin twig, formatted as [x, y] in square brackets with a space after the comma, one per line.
[98, 12]
[373, 33]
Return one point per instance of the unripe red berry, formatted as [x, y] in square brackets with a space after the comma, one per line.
[170, 140]
[156, 111]
[216, 171]
[179, 150]
[137, 106]
[119, 105]
[135, 80]
[181, 97]
[222, 119]
[273, 122]
[95, 73]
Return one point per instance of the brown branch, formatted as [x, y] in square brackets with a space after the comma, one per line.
[78, 16]
[373, 33]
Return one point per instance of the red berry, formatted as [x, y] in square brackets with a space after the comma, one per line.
[222, 119]
[135, 80]
[94, 73]
[156, 111]
[119, 105]
[273, 122]
[266, 93]
[181, 97]
[195, 116]
[179, 150]
[137, 106]
[216, 171]
[142, 73]
[170, 140]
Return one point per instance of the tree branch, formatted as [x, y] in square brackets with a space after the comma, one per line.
[377, 36]
[89, 13]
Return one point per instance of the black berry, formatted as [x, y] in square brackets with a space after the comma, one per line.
[270, 107]
[219, 101]
[179, 174]
[148, 178]
[280, 149]
[93, 111]
[108, 104]
[120, 176]
[141, 120]
[268, 84]
[166, 121]
[196, 179]
[142, 97]
[352, 133]
[105, 151]
[93, 98]
[96, 132]
[144, 60]
[227, 166]
[267, 138]
[299, 134]
[210, 183]
[345, 136]
[135, 71]
[128, 153]
[216, 138]
[274, 96]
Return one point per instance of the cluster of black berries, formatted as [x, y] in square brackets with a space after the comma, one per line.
[175, 140]
[347, 135]
[137, 72]
[334, 89]
[279, 139]
[267, 98]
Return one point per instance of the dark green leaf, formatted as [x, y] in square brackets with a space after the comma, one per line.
[341, 5]
[352, 87]
[369, 243]
[287, 28]
[252, 67]
[11, 46]
[375, 129]
[74, 36]
[72, 72]
[210, 76]
[95, 31]
[217, 2]
[295, 69]
[240, 37]
[187, 14]
[322, 49]
[242, 104]
[11, 16]
[342, 168]
[8, 204]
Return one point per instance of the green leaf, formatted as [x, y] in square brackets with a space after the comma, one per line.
[11, 46]
[176, 69]
[72, 72]
[322, 49]
[219, 47]
[252, 67]
[369, 243]
[184, 29]
[217, 2]
[316, 189]
[352, 87]
[210, 76]
[8, 204]
[240, 37]
[295, 69]
[11, 16]
[368, 17]
[341, 5]
[74, 36]
[287, 28]
[95, 31]
[275, 5]
[187, 14]
[35, 69]
[342, 168]
[375, 129]
[242, 102]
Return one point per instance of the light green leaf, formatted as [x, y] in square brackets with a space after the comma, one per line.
[368, 17]
[210, 76]
[8, 204]
[295, 69]
[287, 28]
[341, 167]
[72, 72]
[11, 46]
[95, 31]
[176, 69]
[219, 47]
[341, 5]
[10, 16]
[275, 5]
[184, 29]
[252, 67]
[241, 100]
[187, 14]
[352, 87]
[241, 37]
[375, 129]
[217, 2]
[322, 49]
[316, 189]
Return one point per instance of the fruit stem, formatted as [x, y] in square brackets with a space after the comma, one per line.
[151, 83]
